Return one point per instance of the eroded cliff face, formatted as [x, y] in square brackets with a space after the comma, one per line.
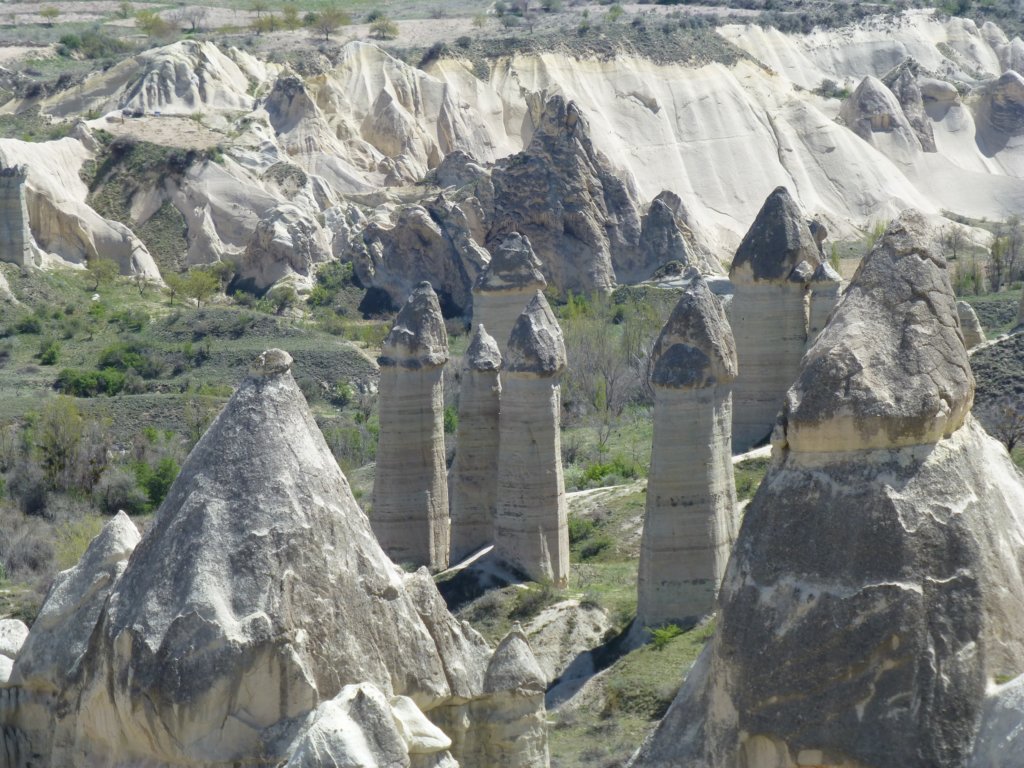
[871, 639]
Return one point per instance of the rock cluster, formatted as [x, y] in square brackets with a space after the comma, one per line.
[772, 273]
[15, 234]
[531, 527]
[871, 640]
[690, 521]
[506, 285]
[873, 112]
[259, 622]
[410, 490]
[474, 491]
[905, 83]
[287, 243]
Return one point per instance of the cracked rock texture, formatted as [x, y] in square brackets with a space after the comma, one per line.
[474, 490]
[690, 521]
[530, 528]
[970, 325]
[771, 272]
[665, 237]
[258, 594]
[410, 489]
[506, 286]
[875, 588]
[287, 243]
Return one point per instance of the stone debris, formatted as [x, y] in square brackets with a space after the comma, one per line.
[771, 272]
[690, 521]
[506, 286]
[474, 489]
[410, 490]
[530, 528]
[875, 589]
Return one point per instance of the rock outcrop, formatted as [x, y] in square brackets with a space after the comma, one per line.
[874, 113]
[690, 521]
[15, 233]
[12, 636]
[871, 641]
[903, 81]
[258, 594]
[410, 489]
[506, 286]
[287, 243]
[474, 491]
[771, 272]
[583, 221]
[825, 285]
[531, 526]
[665, 237]
[970, 325]
[999, 112]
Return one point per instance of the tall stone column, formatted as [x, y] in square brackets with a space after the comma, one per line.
[475, 474]
[530, 527]
[690, 521]
[771, 273]
[825, 283]
[15, 233]
[410, 491]
[506, 286]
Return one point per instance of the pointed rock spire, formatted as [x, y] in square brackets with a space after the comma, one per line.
[776, 243]
[418, 338]
[483, 353]
[535, 345]
[506, 285]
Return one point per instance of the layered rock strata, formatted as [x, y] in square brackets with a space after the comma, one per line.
[410, 489]
[506, 286]
[474, 491]
[872, 641]
[970, 325]
[15, 234]
[257, 622]
[771, 272]
[530, 526]
[690, 521]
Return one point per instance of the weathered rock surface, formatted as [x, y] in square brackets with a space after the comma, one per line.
[258, 593]
[530, 526]
[415, 243]
[506, 286]
[665, 238]
[903, 81]
[583, 222]
[12, 636]
[287, 243]
[874, 113]
[15, 232]
[690, 521]
[999, 111]
[825, 285]
[1000, 741]
[771, 272]
[410, 489]
[870, 641]
[474, 491]
[970, 325]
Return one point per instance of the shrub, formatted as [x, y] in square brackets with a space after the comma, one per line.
[29, 324]
[29, 488]
[85, 383]
[157, 480]
[119, 489]
[384, 28]
[580, 528]
[532, 600]
[49, 351]
[661, 636]
[451, 420]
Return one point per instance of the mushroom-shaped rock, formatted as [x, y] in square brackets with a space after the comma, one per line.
[771, 272]
[874, 113]
[875, 588]
[690, 521]
[531, 528]
[513, 709]
[506, 285]
[258, 592]
[475, 474]
[410, 489]
[890, 369]
[970, 325]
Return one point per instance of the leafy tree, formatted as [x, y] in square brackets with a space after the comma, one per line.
[384, 28]
[102, 271]
[200, 284]
[152, 24]
[175, 285]
[290, 16]
[58, 437]
[329, 20]
[49, 15]
[615, 13]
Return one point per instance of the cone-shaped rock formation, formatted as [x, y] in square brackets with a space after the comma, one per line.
[970, 325]
[690, 522]
[771, 273]
[475, 474]
[875, 587]
[410, 490]
[531, 528]
[506, 286]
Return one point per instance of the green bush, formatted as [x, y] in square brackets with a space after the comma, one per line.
[598, 474]
[131, 355]
[49, 351]
[157, 479]
[580, 528]
[29, 324]
[451, 420]
[661, 636]
[119, 489]
[86, 383]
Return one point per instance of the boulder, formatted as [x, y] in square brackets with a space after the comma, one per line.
[474, 489]
[287, 244]
[560, 192]
[771, 273]
[970, 325]
[506, 285]
[875, 589]
[690, 520]
[530, 526]
[410, 489]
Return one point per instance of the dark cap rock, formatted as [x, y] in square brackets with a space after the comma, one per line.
[418, 338]
[776, 243]
[536, 345]
[483, 353]
[513, 266]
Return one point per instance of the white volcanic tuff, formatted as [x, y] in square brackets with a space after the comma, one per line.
[825, 286]
[474, 488]
[286, 244]
[506, 285]
[531, 526]
[410, 488]
[690, 520]
[15, 232]
[874, 113]
[872, 642]
[970, 325]
[62, 223]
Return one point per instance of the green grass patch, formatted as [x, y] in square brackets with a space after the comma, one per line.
[749, 474]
